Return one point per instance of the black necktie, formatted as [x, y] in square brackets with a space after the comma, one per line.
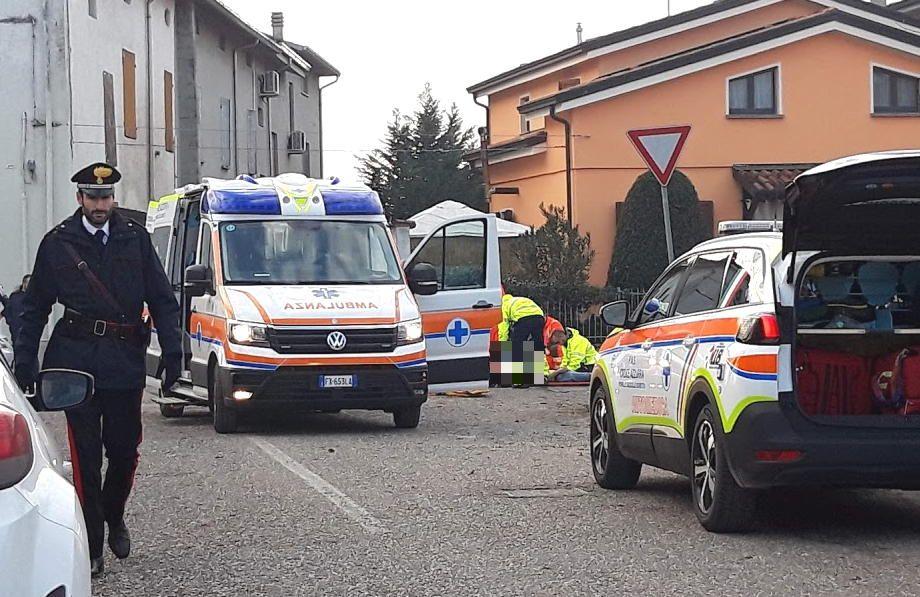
[100, 237]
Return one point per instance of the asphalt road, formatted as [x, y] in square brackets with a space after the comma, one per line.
[489, 496]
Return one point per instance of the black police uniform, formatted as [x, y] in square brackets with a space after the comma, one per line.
[96, 338]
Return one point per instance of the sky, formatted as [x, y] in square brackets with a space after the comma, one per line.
[387, 51]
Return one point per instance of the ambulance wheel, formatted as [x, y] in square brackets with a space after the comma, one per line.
[171, 411]
[611, 469]
[720, 504]
[407, 418]
[224, 417]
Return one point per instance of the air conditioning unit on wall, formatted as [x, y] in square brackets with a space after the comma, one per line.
[271, 84]
[297, 143]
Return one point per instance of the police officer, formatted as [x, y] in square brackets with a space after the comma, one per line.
[102, 268]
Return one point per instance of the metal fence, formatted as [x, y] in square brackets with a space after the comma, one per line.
[586, 318]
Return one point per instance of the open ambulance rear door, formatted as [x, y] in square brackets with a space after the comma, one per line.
[173, 222]
[457, 319]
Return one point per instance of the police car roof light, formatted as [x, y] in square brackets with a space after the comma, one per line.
[747, 226]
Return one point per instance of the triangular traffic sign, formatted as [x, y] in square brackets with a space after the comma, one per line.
[660, 148]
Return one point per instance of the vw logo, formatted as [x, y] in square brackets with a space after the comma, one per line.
[336, 340]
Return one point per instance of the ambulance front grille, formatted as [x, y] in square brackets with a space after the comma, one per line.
[297, 384]
[358, 340]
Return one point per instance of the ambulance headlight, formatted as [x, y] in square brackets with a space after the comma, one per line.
[248, 334]
[410, 332]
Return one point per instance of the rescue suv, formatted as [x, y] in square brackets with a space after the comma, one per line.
[769, 359]
[294, 297]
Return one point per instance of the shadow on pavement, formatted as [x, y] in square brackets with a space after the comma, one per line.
[285, 422]
[810, 513]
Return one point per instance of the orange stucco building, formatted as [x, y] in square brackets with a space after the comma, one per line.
[769, 87]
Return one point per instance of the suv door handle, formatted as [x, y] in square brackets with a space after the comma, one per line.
[689, 341]
[483, 305]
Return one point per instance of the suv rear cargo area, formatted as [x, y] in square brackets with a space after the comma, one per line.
[857, 351]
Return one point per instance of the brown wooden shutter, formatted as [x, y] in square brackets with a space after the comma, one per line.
[168, 104]
[108, 107]
[129, 70]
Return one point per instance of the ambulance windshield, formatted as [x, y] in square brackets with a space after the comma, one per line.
[308, 252]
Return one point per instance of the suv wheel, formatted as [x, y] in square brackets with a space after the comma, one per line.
[720, 504]
[611, 469]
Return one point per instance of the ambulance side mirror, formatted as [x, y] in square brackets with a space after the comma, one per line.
[615, 314]
[423, 279]
[198, 280]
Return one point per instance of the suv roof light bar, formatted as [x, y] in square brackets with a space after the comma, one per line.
[746, 226]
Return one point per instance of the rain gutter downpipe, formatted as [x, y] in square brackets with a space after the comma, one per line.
[322, 172]
[149, 99]
[484, 152]
[236, 130]
[568, 160]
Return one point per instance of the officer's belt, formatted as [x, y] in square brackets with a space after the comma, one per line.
[100, 328]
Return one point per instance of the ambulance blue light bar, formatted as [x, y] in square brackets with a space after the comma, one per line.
[291, 194]
[256, 200]
[351, 202]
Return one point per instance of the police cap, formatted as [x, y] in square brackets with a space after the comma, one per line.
[97, 180]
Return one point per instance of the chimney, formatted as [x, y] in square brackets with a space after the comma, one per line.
[278, 26]
[578, 31]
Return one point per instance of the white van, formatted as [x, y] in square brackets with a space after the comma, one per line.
[293, 296]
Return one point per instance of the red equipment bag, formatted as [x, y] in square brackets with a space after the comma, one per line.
[896, 382]
[832, 383]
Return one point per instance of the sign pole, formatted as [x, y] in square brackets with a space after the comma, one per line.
[660, 147]
[665, 206]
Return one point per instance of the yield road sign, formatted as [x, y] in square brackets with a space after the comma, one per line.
[660, 148]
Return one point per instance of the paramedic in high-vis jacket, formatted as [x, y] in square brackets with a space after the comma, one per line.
[578, 356]
[522, 320]
[103, 269]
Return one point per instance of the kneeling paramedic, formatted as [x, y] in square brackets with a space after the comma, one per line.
[522, 320]
[102, 268]
[579, 356]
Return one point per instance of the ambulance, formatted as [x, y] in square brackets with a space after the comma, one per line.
[782, 357]
[294, 298]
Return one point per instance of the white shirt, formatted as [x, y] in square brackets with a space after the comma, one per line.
[92, 230]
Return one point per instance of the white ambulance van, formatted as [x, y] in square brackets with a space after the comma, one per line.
[294, 297]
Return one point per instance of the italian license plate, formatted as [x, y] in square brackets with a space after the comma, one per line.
[337, 381]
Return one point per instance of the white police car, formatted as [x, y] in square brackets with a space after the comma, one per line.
[43, 544]
[776, 358]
